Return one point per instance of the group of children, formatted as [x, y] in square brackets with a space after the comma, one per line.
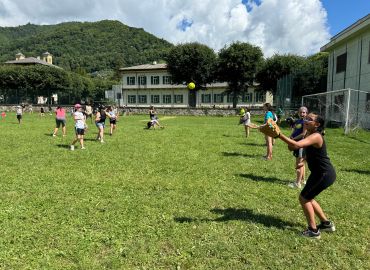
[80, 116]
[308, 144]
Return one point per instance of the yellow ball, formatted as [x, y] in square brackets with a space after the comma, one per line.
[191, 85]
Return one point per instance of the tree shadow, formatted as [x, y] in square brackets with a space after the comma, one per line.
[243, 215]
[259, 178]
[357, 171]
[236, 154]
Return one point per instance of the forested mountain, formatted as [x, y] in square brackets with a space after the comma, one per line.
[79, 46]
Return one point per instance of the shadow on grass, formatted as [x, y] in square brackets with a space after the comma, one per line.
[357, 171]
[359, 140]
[259, 178]
[244, 215]
[230, 136]
[66, 146]
[253, 144]
[236, 154]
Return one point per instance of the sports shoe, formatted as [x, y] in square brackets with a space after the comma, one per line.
[326, 226]
[294, 185]
[101, 141]
[311, 234]
[83, 148]
[54, 135]
[72, 147]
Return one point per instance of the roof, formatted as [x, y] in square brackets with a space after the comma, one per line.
[145, 67]
[361, 25]
[30, 60]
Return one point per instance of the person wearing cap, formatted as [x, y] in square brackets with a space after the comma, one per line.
[80, 124]
[245, 119]
[19, 112]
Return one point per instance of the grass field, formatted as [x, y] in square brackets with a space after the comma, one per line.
[195, 195]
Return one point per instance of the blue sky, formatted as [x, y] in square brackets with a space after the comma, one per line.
[343, 13]
[276, 26]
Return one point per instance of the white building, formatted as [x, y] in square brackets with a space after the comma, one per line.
[349, 57]
[151, 84]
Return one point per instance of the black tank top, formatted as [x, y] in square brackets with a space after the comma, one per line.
[318, 160]
[102, 116]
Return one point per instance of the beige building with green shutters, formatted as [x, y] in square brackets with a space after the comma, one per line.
[151, 84]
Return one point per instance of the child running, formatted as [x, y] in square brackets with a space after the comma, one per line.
[80, 124]
[322, 174]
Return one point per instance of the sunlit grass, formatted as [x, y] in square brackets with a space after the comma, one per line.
[195, 195]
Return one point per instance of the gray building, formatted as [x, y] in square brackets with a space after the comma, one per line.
[349, 57]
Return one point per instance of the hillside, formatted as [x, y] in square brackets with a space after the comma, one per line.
[91, 46]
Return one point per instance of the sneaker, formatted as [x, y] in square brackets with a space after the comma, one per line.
[102, 141]
[326, 226]
[72, 147]
[83, 148]
[294, 185]
[311, 234]
[54, 135]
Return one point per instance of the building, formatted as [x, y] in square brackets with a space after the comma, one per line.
[151, 84]
[20, 59]
[349, 57]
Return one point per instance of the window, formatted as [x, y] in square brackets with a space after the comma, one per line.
[342, 62]
[230, 97]
[119, 95]
[178, 99]
[369, 54]
[167, 99]
[218, 98]
[130, 80]
[154, 99]
[206, 98]
[368, 102]
[154, 79]
[142, 99]
[259, 97]
[142, 80]
[167, 80]
[247, 98]
[131, 99]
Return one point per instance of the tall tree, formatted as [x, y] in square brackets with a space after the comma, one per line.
[237, 65]
[275, 68]
[191, 62]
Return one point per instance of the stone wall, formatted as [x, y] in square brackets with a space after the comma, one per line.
[141, 111]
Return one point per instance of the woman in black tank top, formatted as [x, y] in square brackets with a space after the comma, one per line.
[322, 174]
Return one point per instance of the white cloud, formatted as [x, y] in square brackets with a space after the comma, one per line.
[277, 26]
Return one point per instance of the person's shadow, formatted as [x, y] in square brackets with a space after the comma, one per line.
[243, 214]
[258, 178]
[236, 154]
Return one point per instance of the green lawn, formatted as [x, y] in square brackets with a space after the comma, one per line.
[195, 195]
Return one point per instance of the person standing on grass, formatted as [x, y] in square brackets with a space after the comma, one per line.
[19, 113]
[112, 119]
[322, 174]
[297, 135]
[245, 119]
[60, 119]
[100, 117]
[269, 140]
[89, 112]
[80, 124]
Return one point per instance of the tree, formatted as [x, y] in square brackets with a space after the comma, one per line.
[275, 68]
[237, 65]
[191, 62]
[312, 76]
